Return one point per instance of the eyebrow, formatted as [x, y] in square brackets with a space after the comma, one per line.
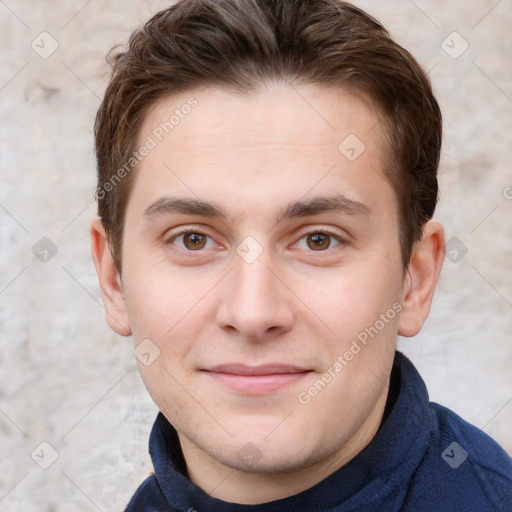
[337, 203]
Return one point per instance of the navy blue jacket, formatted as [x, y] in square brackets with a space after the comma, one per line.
[424, 458]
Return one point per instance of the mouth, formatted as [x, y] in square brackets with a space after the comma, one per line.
[256, 380]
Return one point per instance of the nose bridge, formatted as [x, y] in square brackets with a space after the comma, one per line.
[253, 286]
[255, 300]
[254, 280]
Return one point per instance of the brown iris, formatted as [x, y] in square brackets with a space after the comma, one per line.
[194, 241]
[318, 241]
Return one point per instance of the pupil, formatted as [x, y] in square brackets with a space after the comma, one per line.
[318, 241]
[194, 241]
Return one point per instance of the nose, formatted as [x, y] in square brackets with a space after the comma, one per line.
[255, 301]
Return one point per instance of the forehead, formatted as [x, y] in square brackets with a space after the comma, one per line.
[278, 140]
[274, 113]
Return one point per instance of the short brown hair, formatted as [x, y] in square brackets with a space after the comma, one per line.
[240, 44]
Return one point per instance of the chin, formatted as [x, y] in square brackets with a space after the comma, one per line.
[268, 454]
[249, 459]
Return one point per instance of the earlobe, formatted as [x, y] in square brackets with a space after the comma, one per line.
[110, 282]
[420, 282]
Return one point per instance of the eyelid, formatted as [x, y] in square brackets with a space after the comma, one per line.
[184, 229]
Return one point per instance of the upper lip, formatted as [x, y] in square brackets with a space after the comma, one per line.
[266, 369]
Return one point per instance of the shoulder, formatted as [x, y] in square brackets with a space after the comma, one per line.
[484, 451]
[148, 498]
[463, 468]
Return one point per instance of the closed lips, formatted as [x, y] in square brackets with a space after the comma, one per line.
[237, 369]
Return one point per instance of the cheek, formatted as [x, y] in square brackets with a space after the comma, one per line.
[350, 299]
[170, 307]
[156, 298]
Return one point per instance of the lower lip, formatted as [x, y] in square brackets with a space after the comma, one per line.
[257, 384]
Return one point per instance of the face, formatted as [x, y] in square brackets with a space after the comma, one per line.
[261, 247]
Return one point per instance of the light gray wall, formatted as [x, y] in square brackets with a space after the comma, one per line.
[67, 380]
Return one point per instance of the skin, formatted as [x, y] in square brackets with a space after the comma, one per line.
[252, 155]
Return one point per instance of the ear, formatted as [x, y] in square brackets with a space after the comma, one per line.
[110, 281]
[422, 274]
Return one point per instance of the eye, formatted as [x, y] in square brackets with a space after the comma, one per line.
[192, 241]
[318, 241]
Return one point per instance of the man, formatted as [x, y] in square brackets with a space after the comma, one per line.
[267, 175]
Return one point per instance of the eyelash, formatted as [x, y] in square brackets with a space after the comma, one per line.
[337, 238]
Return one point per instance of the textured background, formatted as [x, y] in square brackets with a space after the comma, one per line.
[67, 380]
